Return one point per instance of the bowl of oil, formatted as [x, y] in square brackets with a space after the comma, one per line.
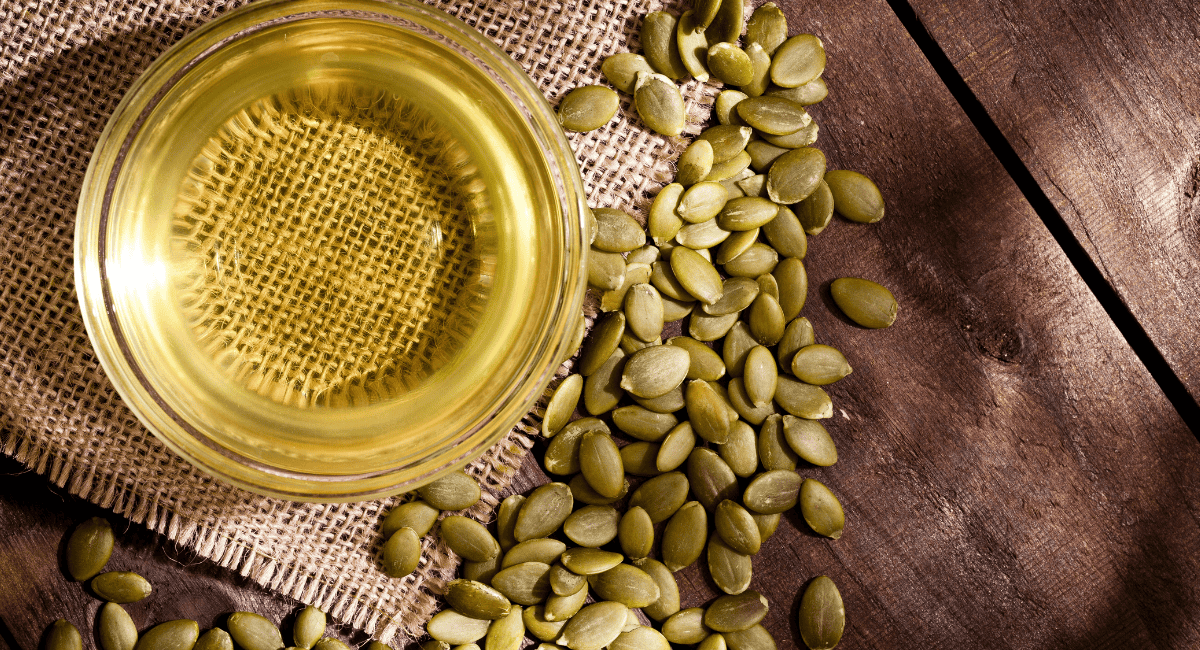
[331, 250]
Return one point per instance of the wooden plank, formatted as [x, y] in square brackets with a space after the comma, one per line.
[1099, 101]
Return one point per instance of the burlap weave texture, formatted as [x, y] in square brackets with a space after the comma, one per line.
[64, 66]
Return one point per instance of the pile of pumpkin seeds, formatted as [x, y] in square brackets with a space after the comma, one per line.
[89, 548]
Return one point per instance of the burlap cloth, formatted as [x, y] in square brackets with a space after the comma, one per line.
[63, 69]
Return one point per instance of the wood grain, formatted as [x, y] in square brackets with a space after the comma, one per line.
[1099, 100]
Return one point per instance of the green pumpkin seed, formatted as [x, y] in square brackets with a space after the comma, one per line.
[592, 526]
[477, 600]
[115, 629]
[416, 514]
[663, 279]
[705, 12]
[761, 376]
[762, 154]
[640, 458]
[703, 327]
[686, 627]
[755, 638]
[661, 46]
[755, 185]
[702, 201]
[702, 236]
[594, 627]
[729, 171]
[737, 344]
[704, 363]
[810, 441]
[736, 294]
[730, 64]
[786, 234]
[328, 643]
[698, 277]
[821, 509]
[655, 370]
[675, 448]
[647, 255]
[560, 407]
[626, 584]
[736, 244]
[797, 334]
[803, 400]
[621, 69]
[562, 454]
[822, 614]
[590, 561]
[89, 548]
[747, 213]
[663, 223]
[767, 27]
[773, 115]
[564, 582]
[725, 107]
[706, 411]
[449, 626]
[772, 491]
[644, 311]
[753, 262]
[454, 491]
[728, 24]
[617, 231]
[636, 533]
[737, 528]
[727, 140]
[62, 635]
[767, 524]
[640, 638]
[545, 509]
[661, 496]
[734, 613]
[469, 538]
[606, 271]
[667, 602]
[760, 71]
[120, 587]
[600, 462]
[536, 624]
[583, 493]
[642, 423]
[867, 303]
[602, 389]
[730, 570]
[773, 449]
[401, 553]
[799, 60]
[815, 212]
[793, 288]
[588, 108]
[802, 138]
[819, 365]
[506, 632]
[214, 639]
[252, 631]
[711, 479]
[674, 310]
[692, 46]
[179, 634]
[684, 537]
[481, 571]
[795, 175]
[309, 627]
[766, 320]
[576, 339]
[659, 104]
[604, 339]
[546, 550]
[740, 452]
[694, 163]
[855, 196]
[744, 407]
[527, 583]
[713, 641]
[807, 94]
[562, 608]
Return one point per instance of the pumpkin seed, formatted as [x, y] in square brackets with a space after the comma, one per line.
[594, 627]
[786, 234]
[692, 46]
[115, 629]
[702, 201]
[802, 138]
[308, 628]
[180, 634]
[755, 185]
[602, 389]
[706, 411]
[545, 509]
[674, 310]
[703, 327]
[796, 335]
[713, 641]
[659, 104]
[767, 524]
[855, 196]
[698, 277]
[656, 370]
[795, 175]
[730, 570]
[760, 70]
[822, 614]
[737, 344]
[762, 154]
[564, 582]
[626, 584]
[661, 46]
[724, 107]
[621, 69]
[867, 303]
[469, 538]
[730, 64]
[736, 244]
[536, 624]
[810, 441]
[636, 533]
[576, 339]
[728, 24]
[252, 631]
[401, 553]
[592, 526]
[454, 628]
[506, 632]
[88, 548]
[755, 638]
[663, 222]
[527, 583]
[727, 140]
[761, 375]
[766, 320]
[675, 448]
[606, 271]
[62, 635]
[546, 550]
[631, 343]
[704, 363]
[736, 294]
[561, 608]
[605, 337]
[120, 587]
[588, 108]
[807, 94]
[562, 454]
[661, 496]
[481, 571]
[740, 452]
[684, 537]
[803, 400]
[600, 462]
[737, 528]
[754, 261]
[617, 231]
[643, 423]
[773, 115]
[711, 479]
[705, 12]
[819, 365]
[644, 311]
[747, 213]
[733, 613]
[742, 405]
[816, 211]
[214, 639]
[454, 491]
[663, 279]
[583, 493]
[799, 60]
[767, 27]
[477, 600]
[686, 626]
[563, 403]
[729, 171]
[640, 458]
[772, 491]
[773, 449]
[793, 288]
[328, 643]
[821, 509]
[702, 236]
[640, 638]
[415, 514]
[589, 561]
[694, 163]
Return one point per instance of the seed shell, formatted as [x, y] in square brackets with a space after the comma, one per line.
[867, 303]
[180, 634]
[822, 614]
[115, 628]
[252, 631]
[89, 548]
[454, 491]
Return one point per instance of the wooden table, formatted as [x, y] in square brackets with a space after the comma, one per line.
[1014, 460]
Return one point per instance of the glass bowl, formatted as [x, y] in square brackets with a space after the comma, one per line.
[331, 250]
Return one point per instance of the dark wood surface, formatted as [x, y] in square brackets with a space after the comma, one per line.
[1012, 475]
